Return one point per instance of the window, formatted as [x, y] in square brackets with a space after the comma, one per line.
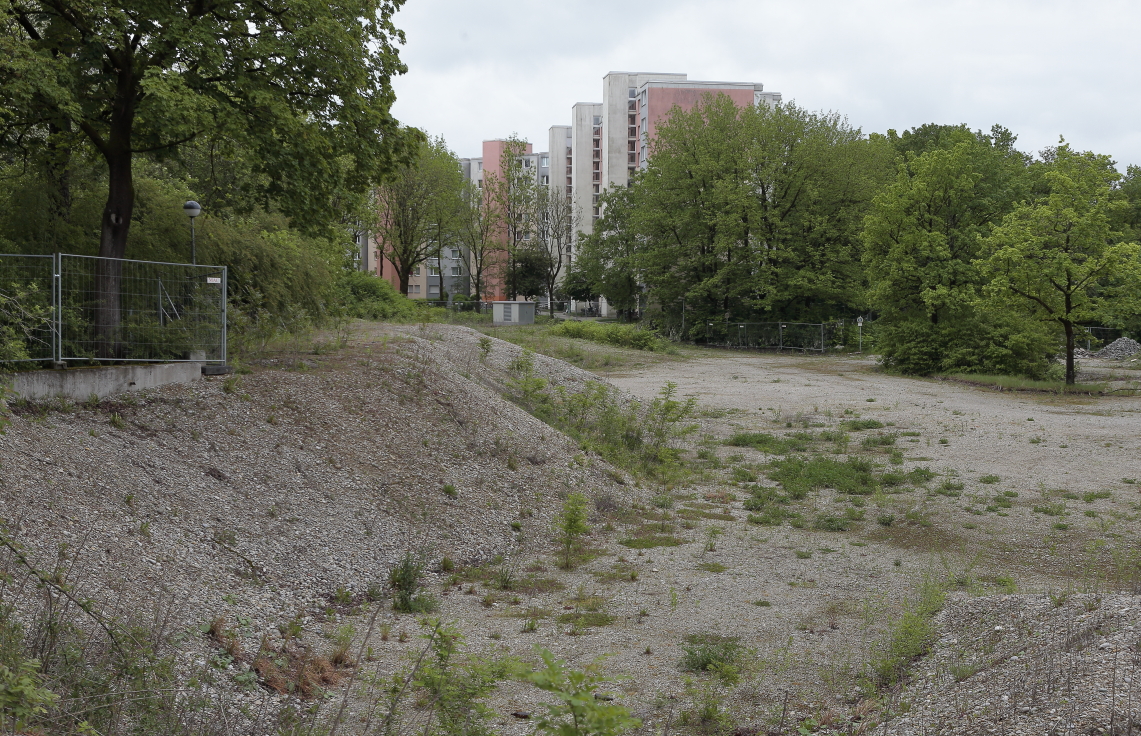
[433, 270]
[598, 120]
[416, 271]
[479, 183]
[414, 289]
[433, 291]
[545, 161]
[633, 93]
[633, 106]
[455, 252]
[457, 271]
[479, 166]
[545, 179]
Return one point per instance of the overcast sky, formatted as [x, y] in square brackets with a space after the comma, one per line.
[480, 69]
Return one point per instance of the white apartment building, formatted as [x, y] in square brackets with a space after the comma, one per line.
[607, 141]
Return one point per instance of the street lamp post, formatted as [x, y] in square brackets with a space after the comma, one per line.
[192, 210]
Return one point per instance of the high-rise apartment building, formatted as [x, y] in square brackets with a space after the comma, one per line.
[606, 142]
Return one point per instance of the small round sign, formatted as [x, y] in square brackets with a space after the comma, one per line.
[860, 321]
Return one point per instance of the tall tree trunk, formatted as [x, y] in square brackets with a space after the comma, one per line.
[1069, 352]
[113, 245]
[404, 274]
[116, 214]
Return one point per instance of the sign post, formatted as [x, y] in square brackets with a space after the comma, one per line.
[860, 325]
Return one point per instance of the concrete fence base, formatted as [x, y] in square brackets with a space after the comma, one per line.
[78, 384]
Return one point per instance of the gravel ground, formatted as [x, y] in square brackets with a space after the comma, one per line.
[264, 496]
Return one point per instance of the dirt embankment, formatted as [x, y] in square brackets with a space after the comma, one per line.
[267, 510]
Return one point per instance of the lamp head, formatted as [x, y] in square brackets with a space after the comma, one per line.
[192, 208]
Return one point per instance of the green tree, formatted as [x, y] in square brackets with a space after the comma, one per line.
[748, 212]
[417, 209]
[1059, 256]
[478, 225]
[921, 239]
[556, 221]
[608, 262]
[571, 525]
[578, 711]
[304, 85]
[514, 191]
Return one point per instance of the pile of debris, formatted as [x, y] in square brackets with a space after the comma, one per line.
[1122, 347]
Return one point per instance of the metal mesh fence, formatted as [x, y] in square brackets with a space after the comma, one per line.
[27, 301]
[770, 335]
[67, 307]
[1098, 337]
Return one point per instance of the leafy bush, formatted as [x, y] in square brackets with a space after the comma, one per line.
[708, 652]
[858, 424]
[621, 335]
[628, 434]
[369, 297]
[828, 523]
[910, 634]
[799, 476]
[404, 579]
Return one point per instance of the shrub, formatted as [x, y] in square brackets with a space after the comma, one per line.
[626, 336]
[910, 635]
[860, 424]
[405, 581]
[571, 525]
[708, 652]
[370, 297]
[827, 523]
[799, 476]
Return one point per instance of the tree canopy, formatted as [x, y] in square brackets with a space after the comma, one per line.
[304, 85]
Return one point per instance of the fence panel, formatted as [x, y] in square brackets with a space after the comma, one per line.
[27, 308]
[769, 335]
[112, 309]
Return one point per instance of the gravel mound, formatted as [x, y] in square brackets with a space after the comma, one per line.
[286, 494]
[1029, 664]
[1122, 347]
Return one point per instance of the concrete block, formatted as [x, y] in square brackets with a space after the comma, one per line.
[78, 384]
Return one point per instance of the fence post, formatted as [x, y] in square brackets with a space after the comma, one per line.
[780, 336]
[57, 310]
[822, 337]
[225, 304]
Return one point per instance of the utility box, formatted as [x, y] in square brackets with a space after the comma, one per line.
[513, 313]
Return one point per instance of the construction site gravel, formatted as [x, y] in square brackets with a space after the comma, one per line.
[285, 496]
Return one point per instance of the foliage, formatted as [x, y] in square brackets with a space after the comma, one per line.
[1060, 257]
[22, 699]
[577, 712]
[24, 313]
[369, 297]
[621, 335]
[799, 476]
[405, 581]
[910, 635]
[418, 208]
[710, 652]
[306, 87]
[922, 239]
[571, 524]
[455, 685]
[626, 433]
[742, 211]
